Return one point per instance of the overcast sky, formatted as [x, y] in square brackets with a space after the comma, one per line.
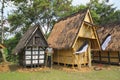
[78, 2]
[75, 2]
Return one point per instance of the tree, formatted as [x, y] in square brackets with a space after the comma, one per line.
[2, 26]
[2, 29]
[44, 12]
[101, 11]
[115, 16]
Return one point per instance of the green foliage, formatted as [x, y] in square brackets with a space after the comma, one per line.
[10, 44]
[115, 16]
[5, 52]
[77, 8]
[101, 11]
[44, 12]
[12, 58]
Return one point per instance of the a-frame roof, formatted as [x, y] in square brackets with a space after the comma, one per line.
[27, 37]
[66, 30]
[112, 29]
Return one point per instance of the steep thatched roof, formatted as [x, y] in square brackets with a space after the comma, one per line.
[66, 30]
[27, 37]
[114, 30]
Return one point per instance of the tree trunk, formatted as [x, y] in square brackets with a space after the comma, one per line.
[2, 36]
[2, 8]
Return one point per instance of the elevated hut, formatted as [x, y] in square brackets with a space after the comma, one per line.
[109, 36]
[31, 47]
[73, 37]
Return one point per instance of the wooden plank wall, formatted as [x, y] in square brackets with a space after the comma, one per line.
[68, 57]
[63, 56]
[109, 57]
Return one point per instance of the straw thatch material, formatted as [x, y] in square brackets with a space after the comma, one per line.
[65, 31]
[2, 46]
[114, 30]
[24, 41]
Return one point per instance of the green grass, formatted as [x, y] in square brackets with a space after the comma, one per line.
[113, 74]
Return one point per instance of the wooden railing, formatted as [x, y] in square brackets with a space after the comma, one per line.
[109, 57]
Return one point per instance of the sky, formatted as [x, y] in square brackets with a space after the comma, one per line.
[115, 2]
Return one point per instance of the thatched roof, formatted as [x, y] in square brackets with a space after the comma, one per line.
[2, 46]
[27, 37]
[114, 31]
[66, 30]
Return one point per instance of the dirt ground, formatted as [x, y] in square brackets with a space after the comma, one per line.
[9, 67]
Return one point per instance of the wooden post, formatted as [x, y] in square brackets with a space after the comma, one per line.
[92, 52]
[100, 56]
[108, 57]
[38, 55]
[78, 61]
[24, 58]
[89, 56]
[31, 56]
[58, 57]
[46, 61]
[119, 57]
[64, 58]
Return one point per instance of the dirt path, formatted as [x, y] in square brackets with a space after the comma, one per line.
[9, 67]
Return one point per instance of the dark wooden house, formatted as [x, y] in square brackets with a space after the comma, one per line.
[31, 47]
[109, 36]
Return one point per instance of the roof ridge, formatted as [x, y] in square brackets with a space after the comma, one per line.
[73, 14]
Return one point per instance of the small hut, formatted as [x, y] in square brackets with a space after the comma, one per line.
[31, 47]
[2, 46]
[73, 37]
[109, 36]
[1, 52]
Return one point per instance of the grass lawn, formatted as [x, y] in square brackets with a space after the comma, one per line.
[54, 74]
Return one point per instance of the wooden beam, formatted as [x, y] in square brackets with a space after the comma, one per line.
[58, 57]
[39, 55]
[31, 56]
[119, 57]
[90, 24]
[89, 56]
[92, 52]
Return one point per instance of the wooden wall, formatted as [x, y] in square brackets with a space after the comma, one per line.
[63, 56]
[109, 57]
[87, 32]
[83, 57]
[68, 56]
[32, 56]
